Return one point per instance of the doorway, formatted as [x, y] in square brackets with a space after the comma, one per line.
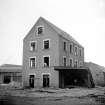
[46, 80]
[75, 78]
[31, 81]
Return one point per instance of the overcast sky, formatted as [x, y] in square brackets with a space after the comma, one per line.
[83, 19]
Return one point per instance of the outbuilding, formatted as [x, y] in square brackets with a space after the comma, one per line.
[97, 72]
[9, 73]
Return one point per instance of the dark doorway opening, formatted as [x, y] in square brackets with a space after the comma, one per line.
[74, 78]
[31, 81]
[46, 80]
[7, 79]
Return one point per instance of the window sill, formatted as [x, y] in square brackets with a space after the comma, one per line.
[32, 68]
[65, 50]
[46, 67]
[40, 34]
[32, 51]
[46, 49]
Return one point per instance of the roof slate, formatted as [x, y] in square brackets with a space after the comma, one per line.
[10, 68]
[90, 64]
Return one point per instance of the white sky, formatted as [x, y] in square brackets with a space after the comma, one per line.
[83, 19]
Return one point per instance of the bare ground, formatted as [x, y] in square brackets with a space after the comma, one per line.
[75, 96]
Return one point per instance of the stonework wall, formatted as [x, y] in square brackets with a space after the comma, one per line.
[53, 52]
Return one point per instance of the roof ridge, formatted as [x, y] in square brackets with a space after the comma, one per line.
[10, 65]
[60, 31]
[95, 64]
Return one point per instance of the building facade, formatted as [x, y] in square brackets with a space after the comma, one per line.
[49, 54]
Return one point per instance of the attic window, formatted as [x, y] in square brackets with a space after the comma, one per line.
[40, 30]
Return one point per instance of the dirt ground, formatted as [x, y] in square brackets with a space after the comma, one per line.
[74, 96]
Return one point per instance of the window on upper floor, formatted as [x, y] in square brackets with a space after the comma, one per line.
[71, 48]
[80, 52]
[33, 45]
[46, 44]
[64, 46]
[71, 62]
[76, 50]
[64, 61]
[46, 61]
[32, 62]
[40, 30]
[76, 64]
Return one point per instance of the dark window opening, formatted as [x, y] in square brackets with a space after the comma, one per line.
[80, 52]
[64, 61]
[64, 46]
[71, 62]
[76, 51]
[46, 61]
[32, 63]
[40, 30]
[33, 46]
[76, 64]
[7, 79]
[46, 44]
[71, 48]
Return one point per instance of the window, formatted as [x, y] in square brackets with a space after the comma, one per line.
[46, 61]
[46, 44]
[71, 62]
[76, 50]
[64, 46]
[80, 64]
[76, 63]
[33, 45]
[64, 61]
[39, 30]
[80, 52]
[7, 79]
[33, 62]
[71, 48]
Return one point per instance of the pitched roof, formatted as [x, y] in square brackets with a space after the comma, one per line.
[61, 32]
[90, 64]
[10, 68]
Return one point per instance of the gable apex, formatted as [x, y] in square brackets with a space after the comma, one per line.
[55, 28]
[60, 31]
[32, 28]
